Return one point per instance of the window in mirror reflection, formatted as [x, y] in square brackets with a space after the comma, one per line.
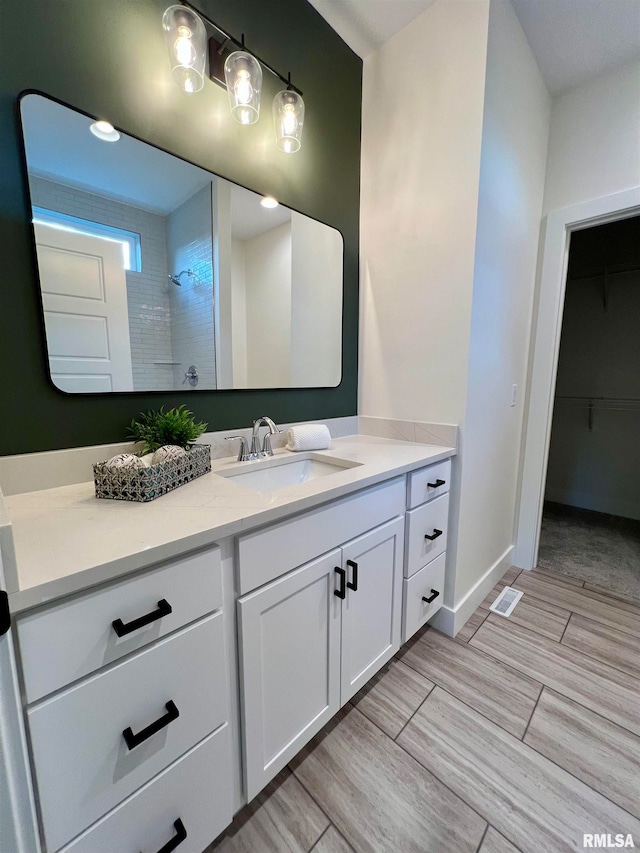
[149, 264]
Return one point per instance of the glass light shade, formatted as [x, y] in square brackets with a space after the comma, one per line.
[243, 75]
[288, 118]
[186, 39]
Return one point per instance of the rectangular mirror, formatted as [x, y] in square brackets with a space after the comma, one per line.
[157, 275]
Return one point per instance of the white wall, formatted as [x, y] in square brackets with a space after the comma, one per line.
[514, 150]
[223, 284]
[268, 301]
[238, 314]
[593, 158]
[454, 157]
[594, 143]
[423, 94]
[316, 303]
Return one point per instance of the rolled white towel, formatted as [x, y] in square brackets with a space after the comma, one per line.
[309, 437]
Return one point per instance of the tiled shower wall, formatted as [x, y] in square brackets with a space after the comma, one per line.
[147, 291]
[190, 246]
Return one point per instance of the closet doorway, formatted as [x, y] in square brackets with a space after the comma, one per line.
[591, 512]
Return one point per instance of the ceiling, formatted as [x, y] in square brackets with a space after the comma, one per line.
[60, 147]
[576, 40]
[573, 40]
[366, 24]
[249, 219]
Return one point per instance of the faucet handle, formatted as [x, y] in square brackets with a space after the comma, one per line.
[243, 453]
[267, 450]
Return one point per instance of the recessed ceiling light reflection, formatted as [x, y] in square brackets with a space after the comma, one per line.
[269, 201]
[105, 131]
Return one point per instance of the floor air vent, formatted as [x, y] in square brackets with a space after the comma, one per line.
[506, 601]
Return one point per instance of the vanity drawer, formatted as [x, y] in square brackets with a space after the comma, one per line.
[273, 551]
[423, 584]
[72, 639]
[430, 519]
[84, 767]
[194, 790]
[420, 489]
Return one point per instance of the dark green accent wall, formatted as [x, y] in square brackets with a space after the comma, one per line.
[107, 57]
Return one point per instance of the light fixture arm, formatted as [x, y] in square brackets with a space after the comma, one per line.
[216, 47]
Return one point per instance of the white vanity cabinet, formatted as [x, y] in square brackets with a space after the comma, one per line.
[371, 610]
[126, 688]
[159, 702]
[314, 636]
[290, 665]
[426, 545]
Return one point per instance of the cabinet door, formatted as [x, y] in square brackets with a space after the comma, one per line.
[372, 612]
[290, 659]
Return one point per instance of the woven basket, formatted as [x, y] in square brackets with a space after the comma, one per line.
[147, 484]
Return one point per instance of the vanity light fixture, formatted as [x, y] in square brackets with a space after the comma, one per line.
[243, 76]
[186, 39]
[288, 118]
[269, 202]
[104, 130]
[233, 66]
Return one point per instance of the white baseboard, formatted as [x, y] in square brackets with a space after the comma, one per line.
[449, 620]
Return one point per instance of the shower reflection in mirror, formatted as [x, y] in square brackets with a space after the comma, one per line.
[142, 277]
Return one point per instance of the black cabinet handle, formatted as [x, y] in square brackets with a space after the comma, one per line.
[436, 533]
[354, 583]
[178, 838]
[432, 597]
[132, 740]
[164, 609]
[341, 592]
[437, 484]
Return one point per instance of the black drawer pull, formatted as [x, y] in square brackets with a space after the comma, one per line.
[164, 609]
[354, 583]
[437, 484]
[436, 533]
[132, 740]
[432, 597]
[341, 592]
[178, 838]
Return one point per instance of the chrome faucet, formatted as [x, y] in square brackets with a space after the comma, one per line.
[266, 450]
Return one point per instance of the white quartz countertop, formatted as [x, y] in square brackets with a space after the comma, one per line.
[66, 540]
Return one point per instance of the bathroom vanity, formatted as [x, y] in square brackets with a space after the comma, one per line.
[173, 657]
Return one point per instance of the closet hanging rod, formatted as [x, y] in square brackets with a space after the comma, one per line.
[599, 400]
[609, 404]
[605, 272]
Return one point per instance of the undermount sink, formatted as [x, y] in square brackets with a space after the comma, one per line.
[282, 471]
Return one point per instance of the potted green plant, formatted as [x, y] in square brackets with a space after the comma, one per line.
[169, 457]
[155, 429]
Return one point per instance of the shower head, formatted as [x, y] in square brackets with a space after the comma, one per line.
[175, 279]
[177, 276]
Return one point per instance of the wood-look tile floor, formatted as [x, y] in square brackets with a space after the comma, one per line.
[521, 734]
